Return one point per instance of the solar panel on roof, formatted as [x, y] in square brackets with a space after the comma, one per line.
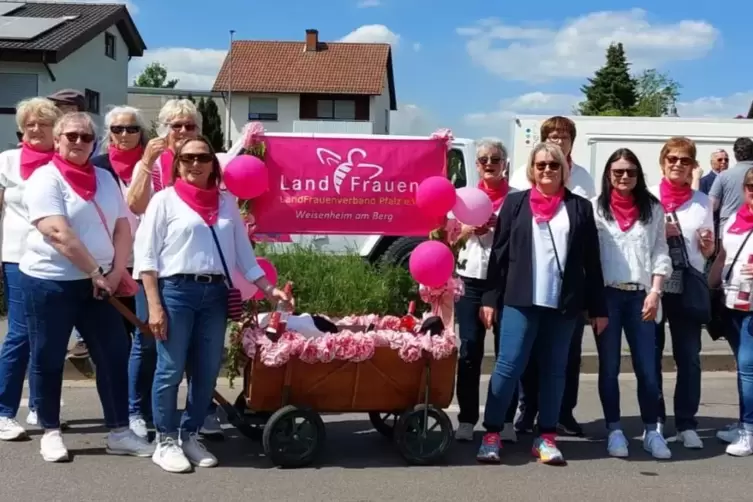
[26, 28]
[8, 7]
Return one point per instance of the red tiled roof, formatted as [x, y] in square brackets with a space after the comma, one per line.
[286, 67]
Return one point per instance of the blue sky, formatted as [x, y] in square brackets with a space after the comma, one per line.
[471, 66]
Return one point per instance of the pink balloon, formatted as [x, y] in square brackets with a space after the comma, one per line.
[431, 264]
[473, 206]
[246, 177]
[269, 271]
[435, 196]
[248, 289]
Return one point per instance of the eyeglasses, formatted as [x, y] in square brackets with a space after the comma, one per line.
[131, 129]
[177, 126]
[619, 173]
[553, 166]
[489, 160]
[684, 161]
[73, 137]
[201, 158]
[749, 187]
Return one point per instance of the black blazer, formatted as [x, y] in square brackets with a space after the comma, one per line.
[103, 161]
[510, 274]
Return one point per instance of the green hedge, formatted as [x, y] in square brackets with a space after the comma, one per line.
[341, 284]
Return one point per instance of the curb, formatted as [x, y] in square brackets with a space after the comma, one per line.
[82, 369]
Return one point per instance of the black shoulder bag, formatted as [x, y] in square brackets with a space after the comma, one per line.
[719, 324]
[695, 299]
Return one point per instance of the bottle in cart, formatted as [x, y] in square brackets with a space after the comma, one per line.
[742, 302]
[278, 320]
[408, 322]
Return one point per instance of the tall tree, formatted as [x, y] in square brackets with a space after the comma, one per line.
[657, 94]
[212, 125]
[155, 75]
[612, 91]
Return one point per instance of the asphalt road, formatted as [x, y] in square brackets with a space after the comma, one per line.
[359, 465]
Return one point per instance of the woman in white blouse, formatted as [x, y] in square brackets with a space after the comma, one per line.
[76, 253]
[473, 260]
[190, 235]
[690, 236]
[635, 261]
[35, 118]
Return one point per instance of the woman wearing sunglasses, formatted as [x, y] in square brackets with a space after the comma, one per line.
[635, 262]
[473, 260]
[190, 236]
[35, 119]
[123, 147]
[76, 254]
[544, 271]
[690, 236]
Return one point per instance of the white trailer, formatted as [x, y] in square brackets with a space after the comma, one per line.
[598, 137]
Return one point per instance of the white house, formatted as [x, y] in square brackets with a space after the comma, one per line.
[46, 47]
[308, 86]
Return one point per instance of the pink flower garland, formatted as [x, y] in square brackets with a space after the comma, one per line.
[347, 345]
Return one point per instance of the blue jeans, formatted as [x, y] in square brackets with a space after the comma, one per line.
[14, 356]
[744, 357]
[196, 322]
[141, 365]
[52, 309]
[471, 354]
[686, 350]
[624, 308]
[535, 333]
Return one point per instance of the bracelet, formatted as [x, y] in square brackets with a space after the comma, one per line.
[657, 291]
[96, 272]
[269, 289]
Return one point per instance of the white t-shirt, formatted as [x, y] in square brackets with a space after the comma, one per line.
[15, 225]
[696, 214]
[547, 282]
[581, 183]
[172, 239]
[133, 220]
[731, 244]
[48, 194]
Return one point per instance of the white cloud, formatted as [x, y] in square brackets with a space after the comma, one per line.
[416, 47]
[364, 4]
[372, 33]
[195, 69]
[577, 48]
[132, 7]
[713, 106]
[412, 120]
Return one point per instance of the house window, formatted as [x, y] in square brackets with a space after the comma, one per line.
[262, 109]
[92, 101]
[110, 45]
[336, 109]
[15, 87]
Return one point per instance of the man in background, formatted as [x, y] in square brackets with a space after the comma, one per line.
[727, 190]
[719, 163]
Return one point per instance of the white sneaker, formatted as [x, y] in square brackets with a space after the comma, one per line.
[128, 443]
[33, 420]
[690, 439]
[212, 426]
[138, 426]
[52, 447]
[11, 430]
[508, 434]
[743, 445]
[656, 445]
[617, 444]
[729, 434]
[170, 457]
[660, 428]
[464, 432]
[196, 453]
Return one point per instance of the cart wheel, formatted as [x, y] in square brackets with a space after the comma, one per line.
[236, 415]
[423, 442]
[384, 422]
[293, 436]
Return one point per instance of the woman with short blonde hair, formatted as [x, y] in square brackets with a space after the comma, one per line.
[35, 118]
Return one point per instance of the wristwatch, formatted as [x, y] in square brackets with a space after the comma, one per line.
[96, 273]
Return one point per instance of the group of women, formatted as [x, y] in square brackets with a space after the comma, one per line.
[144, 221]
[551, 255]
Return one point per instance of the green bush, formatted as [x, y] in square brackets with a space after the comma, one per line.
[341, 284]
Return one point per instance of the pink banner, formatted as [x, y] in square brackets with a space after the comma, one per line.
[347, 186]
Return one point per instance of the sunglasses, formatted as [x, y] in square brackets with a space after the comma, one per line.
[73, 137]
[489, 160]
[201, 158]
[131, 129]
[684, 161]
[619, 173]
[553, 166]
[181, 125]
[749, 187]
